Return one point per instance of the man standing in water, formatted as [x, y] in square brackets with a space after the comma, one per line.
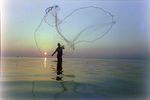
[59, 58]
[59, 52]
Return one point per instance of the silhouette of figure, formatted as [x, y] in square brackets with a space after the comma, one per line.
[59, 68]
[59, 51]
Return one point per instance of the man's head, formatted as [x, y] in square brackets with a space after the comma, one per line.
[58, 44]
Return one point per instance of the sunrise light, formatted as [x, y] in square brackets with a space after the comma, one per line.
[45, 53]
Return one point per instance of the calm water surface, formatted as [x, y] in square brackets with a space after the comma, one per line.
[80, 79]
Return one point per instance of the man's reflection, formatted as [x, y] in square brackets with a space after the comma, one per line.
[59, 70]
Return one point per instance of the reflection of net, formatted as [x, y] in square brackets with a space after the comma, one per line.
[86, 24]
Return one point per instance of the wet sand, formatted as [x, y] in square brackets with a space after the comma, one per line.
[80, 79]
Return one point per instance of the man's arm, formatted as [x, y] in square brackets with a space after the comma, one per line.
[54, 52]
[63, 47]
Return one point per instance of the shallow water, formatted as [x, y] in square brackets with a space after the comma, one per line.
[80, 79]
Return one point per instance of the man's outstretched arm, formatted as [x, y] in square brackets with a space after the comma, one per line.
[54, 52]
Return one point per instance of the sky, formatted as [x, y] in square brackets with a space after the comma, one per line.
[128, 38]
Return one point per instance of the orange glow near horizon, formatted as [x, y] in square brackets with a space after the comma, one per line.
[45, 53]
